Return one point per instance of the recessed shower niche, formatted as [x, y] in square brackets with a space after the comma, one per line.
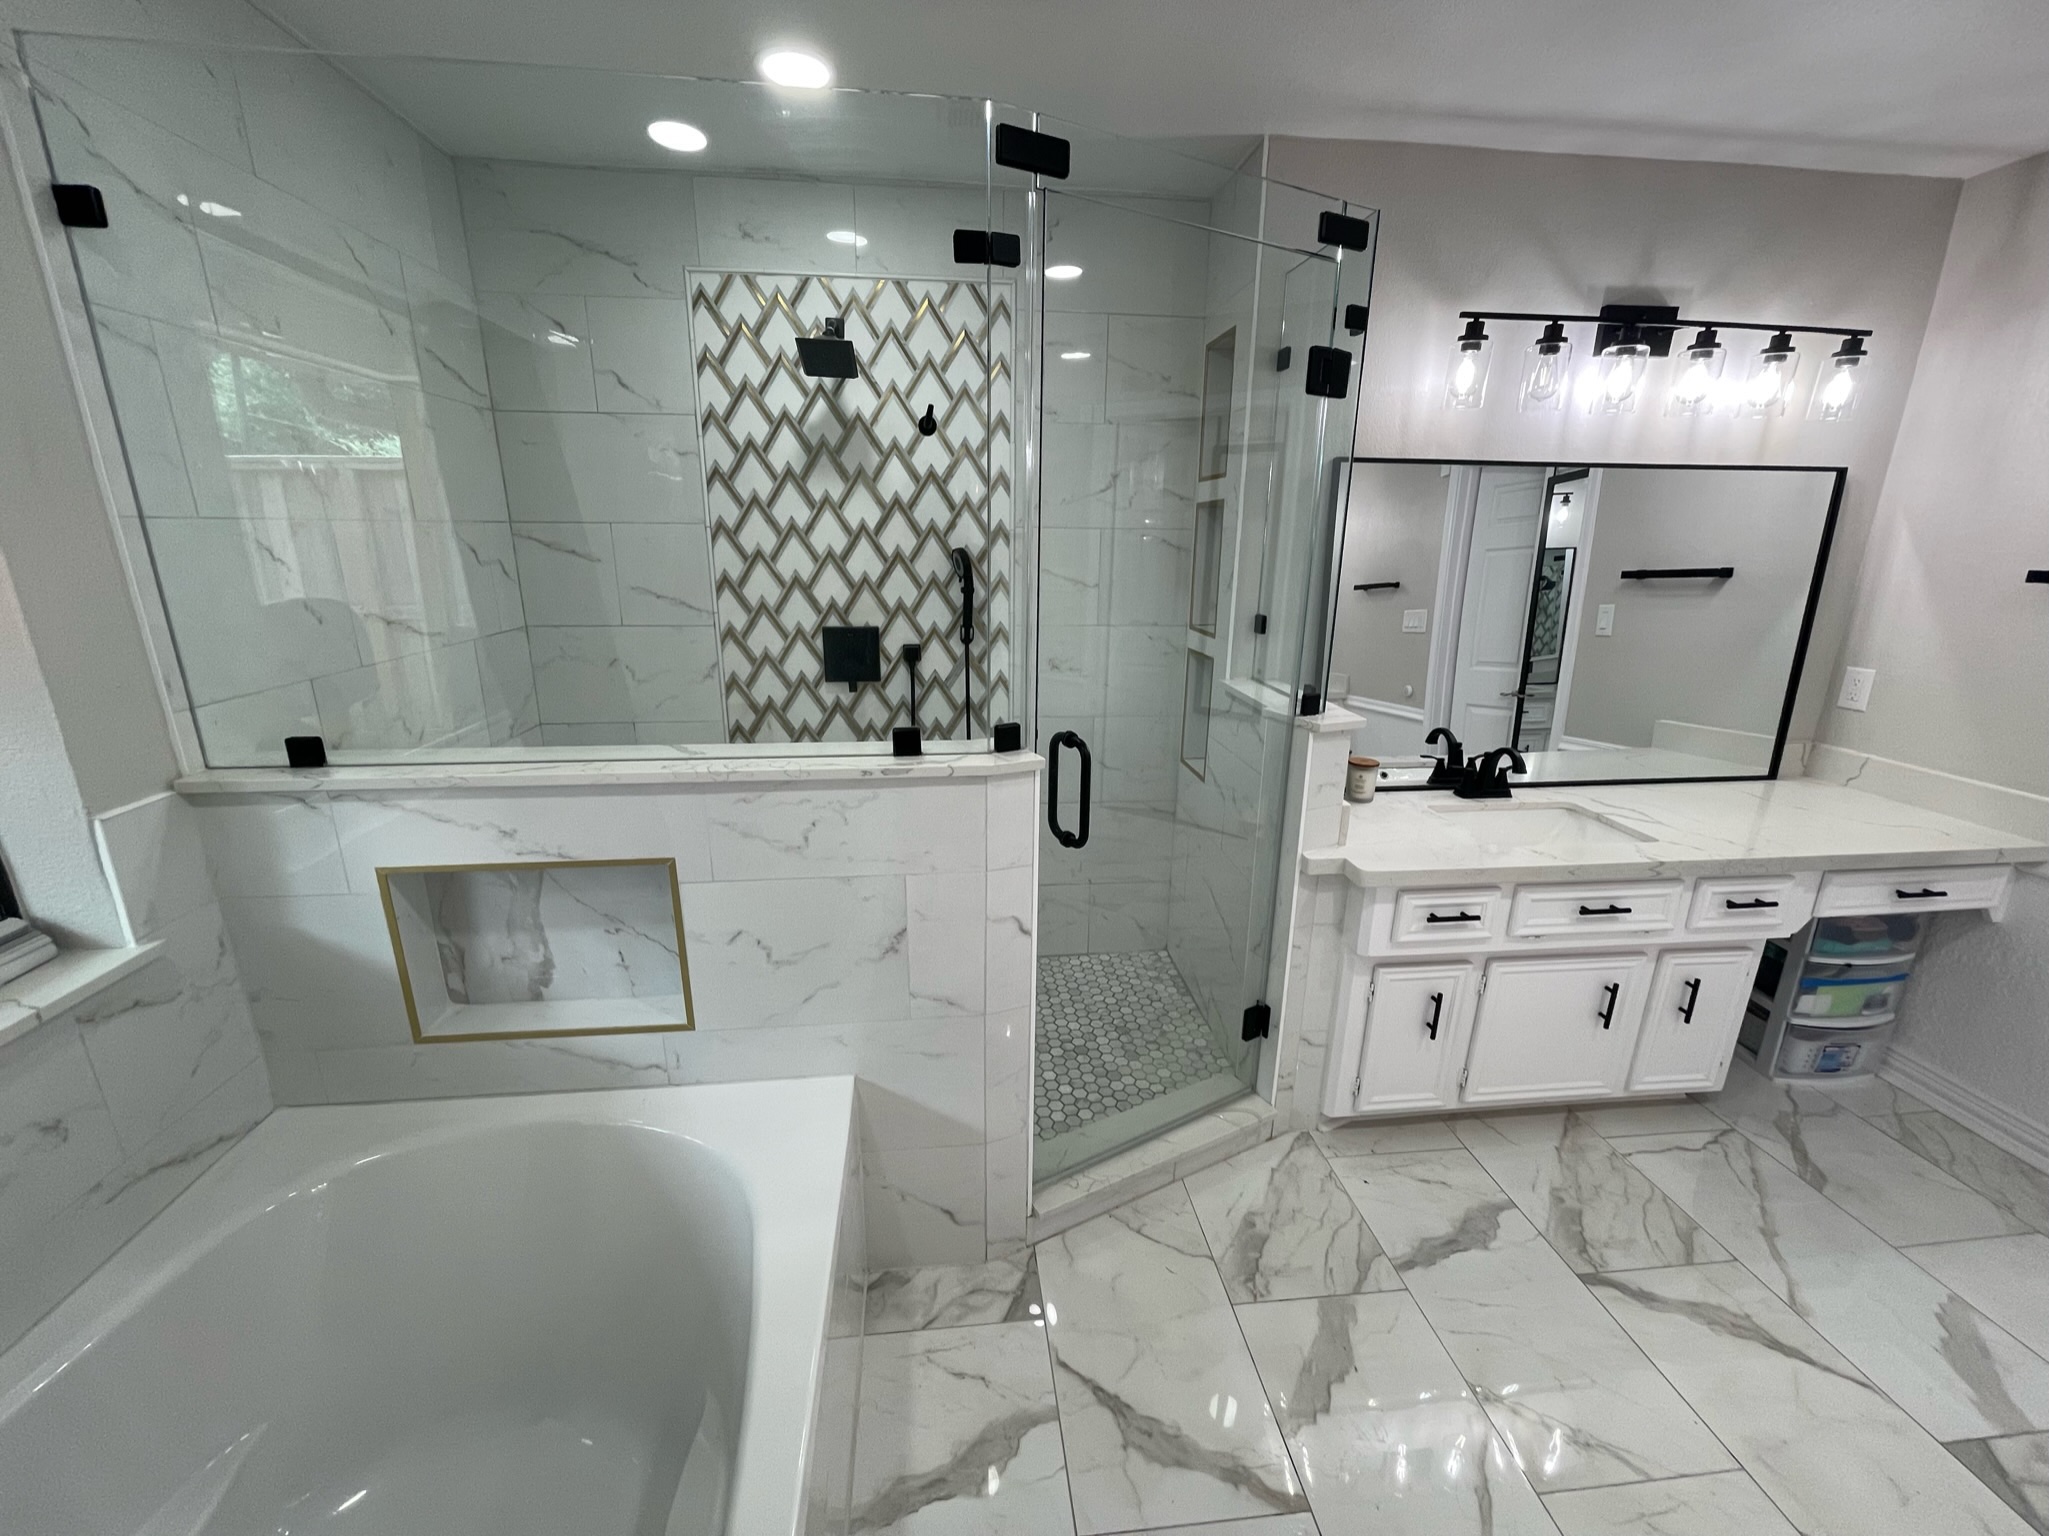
[535, 949]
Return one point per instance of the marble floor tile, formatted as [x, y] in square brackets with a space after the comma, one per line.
[1643, 1119]
[1900, 1195]
[1387, 1434]
[1719, 1504]
[1375, 1138]
[2019, 1189]
[1831, 1450]
[953, 1296]
[2006, 1278]
[1583, 1195]
[1282, 1226]
[1260, 1525]
[959, 1433]
[1575, 1398]
[1160, 1406]
[1955, 1370]
[2015, 1468]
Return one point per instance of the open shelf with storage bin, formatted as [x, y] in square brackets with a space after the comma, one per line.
[1824, 1001]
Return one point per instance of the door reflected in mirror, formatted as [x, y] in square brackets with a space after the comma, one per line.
[1612, 622]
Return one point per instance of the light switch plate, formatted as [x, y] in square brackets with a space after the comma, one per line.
[1856, 692]
[1604, 619]
[1415, 621]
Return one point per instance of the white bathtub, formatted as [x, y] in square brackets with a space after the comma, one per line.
[582, 1314]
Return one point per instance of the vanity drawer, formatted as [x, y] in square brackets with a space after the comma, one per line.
[1770, 905]
[1448, 919]
[1848, 892]
[1589, 911]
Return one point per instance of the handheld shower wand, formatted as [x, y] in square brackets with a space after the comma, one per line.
[964, 569]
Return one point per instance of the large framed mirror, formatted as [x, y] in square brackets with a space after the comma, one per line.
[1615, 623]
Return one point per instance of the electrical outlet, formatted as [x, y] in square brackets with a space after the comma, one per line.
[1415, 621]
[1856, 692]
[1604, 619]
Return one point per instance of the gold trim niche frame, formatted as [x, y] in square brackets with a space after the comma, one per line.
[385, 875]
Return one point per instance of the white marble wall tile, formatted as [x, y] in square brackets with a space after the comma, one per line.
[186, 91]
[1073, 665]
[1819, 1439]
[537, 347]
[1129, 843]
[319, 970]
[640, 350]
[444, 214]
[645, 672]
[505, 672]
[600, 468]
[250, 732]
[1148, 675]
[1138, 758]
[924, 1206]
[1678, 1506]
[424, 699]
[669, 733]
[149, 430]
[1155, 369]
[1073, 581]
[156, 861]
[1007, 1123]
[490, 575]
[1127, 916]
[766, 952]
[455, 472]
[457, 1068]
[776, 226]
[947, 918]
[1010, 949]
[1013, 819]
[921, 1082]
[566, 574]
[558, 229]
[273, 846]
[1074, 382]
[2006, 1278]
[802, 833]
[448, 338]
[1134, 261]
[299, 308]
[910, 229]
[1078, 476]
[664, 573]
[1063, 919]
[1155, 480]
[57, 1137]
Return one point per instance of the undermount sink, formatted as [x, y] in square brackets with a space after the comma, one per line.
[1505, 826]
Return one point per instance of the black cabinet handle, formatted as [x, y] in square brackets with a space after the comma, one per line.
[1436, 1013]
[1611, 910]
[1080, 836]
[1926, 893]
[1748, 906]
[1614, 991]
[1692, 998]
[1456, 917]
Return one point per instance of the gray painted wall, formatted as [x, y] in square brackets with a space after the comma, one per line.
[1394, 527]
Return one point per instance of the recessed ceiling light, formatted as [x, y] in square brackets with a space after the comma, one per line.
[1065, 272]
[797, 70]
[684, 138]
[846, 237]
[563, 339]
[1073, 357]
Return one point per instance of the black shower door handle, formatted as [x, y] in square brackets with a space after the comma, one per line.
[1080, 836]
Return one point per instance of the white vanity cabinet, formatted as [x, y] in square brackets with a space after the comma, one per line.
[1691, 1020]
[1418, 1019]
[1556, 1027]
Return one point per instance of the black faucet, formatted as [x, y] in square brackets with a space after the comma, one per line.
[1486, 778]
[1451, 768]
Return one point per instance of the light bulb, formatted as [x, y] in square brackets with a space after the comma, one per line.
[1621, 369]
[795, 69]
[1466, 374]
[1836, 395]
[684, 138]
[1693, 393]
[1465, 385]
[1547, 367]
[1771, 376]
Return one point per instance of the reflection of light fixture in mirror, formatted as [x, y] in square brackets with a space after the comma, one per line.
[1835, 396]
[793, 68]
[563, 339]
[1466, 386]
[1693, 392]
[1617, 373]
[1546, 367]
[684, 138]
[1562, 510]
[846, 237]
[1771, 376]
[1063, 272]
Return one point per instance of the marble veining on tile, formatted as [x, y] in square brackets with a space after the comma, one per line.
[2016, 1468]
[1281, 1225]
[954, 1296]
[1716, 1504]
[2018, 1189]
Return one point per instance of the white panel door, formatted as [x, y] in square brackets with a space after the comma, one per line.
[1417, 1023]
[1689, 1029]
[1494, 616]
[1559, 1027]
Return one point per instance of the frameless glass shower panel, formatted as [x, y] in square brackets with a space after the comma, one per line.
[467, 416]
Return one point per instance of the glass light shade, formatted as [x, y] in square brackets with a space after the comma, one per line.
[1835, 393]
[1465, 387]
[1618, 378]
[1700, 370]
[1547, 371]
[1771, 377]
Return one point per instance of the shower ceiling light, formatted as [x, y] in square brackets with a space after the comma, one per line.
[846, 237]
[1693, 392]
[793, 68]
[1075, 357]
[1771, 376]
[1466, 385]
[1836, 395]
[1063, 272]
[684, 138]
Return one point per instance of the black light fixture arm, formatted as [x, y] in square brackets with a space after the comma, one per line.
[1678, 324]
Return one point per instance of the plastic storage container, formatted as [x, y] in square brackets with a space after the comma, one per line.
[1847, 991]
[1812, 1051]
[1866, 940]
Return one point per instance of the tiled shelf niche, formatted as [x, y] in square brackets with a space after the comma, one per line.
[539, 949]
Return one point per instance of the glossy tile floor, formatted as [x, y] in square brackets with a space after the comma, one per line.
[1779, 1310]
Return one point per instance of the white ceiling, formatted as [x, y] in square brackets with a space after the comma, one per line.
[1939, 87]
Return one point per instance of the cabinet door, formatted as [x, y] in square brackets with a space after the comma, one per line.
[1418, 1018]
[1556, 1028]
[1689, 1029]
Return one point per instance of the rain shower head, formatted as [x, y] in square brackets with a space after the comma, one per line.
[830, 356]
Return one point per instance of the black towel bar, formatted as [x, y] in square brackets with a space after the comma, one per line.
[1680, 573]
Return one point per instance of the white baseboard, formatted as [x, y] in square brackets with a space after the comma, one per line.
[2025, 1138]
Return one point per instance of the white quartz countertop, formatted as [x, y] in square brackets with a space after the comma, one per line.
[646, 766]
[1645, 831]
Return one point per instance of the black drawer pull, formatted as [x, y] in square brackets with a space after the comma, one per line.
[1436, 1013]
[1926, 893]
[1614, 991]
[1456, 917]
[1611, 910]
[1692, 998]
[1748, 906]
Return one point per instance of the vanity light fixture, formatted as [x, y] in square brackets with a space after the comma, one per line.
[1466, 386]
[1771, 376]
[794, 69]
[846, 237]
[684, 138]
[1835, 396]
[1547, 370]
[1618, 373]
[1700, 370]
[1063, 272]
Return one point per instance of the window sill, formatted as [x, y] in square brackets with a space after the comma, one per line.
[59, 985]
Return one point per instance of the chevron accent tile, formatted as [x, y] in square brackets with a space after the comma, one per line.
[828, 507]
